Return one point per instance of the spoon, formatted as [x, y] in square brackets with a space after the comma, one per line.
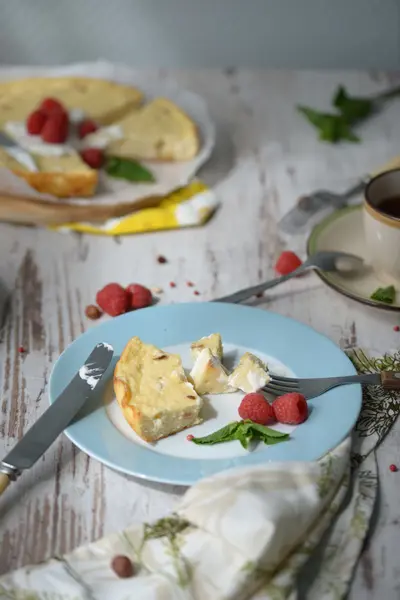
[320, 261]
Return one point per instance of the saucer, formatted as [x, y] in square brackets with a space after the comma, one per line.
[343, 231]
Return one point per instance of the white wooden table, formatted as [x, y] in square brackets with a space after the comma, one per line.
[266, 156]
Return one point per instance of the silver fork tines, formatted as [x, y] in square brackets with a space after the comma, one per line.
[281, 385]
[310, 388]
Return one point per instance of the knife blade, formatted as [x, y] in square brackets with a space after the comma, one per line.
[58, 416]
[17, 152]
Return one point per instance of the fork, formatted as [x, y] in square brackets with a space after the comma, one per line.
[310, 388]
[309, 205]
[324, 261]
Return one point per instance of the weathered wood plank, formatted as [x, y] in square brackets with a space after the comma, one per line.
[266, 156]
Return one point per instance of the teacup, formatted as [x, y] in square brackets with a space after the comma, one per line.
[382, 224]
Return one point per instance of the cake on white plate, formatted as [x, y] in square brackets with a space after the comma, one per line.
[250, 375]
[159, 131]
[213, 342]
[153, 391]
[209, 375]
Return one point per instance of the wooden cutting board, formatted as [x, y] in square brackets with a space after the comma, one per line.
[28, 211]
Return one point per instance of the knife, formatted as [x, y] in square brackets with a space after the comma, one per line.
[57, 417]
[15, 151]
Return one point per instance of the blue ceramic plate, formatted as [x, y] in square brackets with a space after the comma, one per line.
[289, 348]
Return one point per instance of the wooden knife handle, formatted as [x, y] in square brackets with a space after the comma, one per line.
[390, 380]
[4, 482]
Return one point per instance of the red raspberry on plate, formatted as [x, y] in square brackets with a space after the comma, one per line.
[291, 409]
[93, 157]
[256, 408]
[287, 262]
[55, 130]
[35, 122]
[139, 296]
[113, 299]
[51, 105]
[85, 127]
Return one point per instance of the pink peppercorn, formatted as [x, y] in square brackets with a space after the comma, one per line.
[190, 437]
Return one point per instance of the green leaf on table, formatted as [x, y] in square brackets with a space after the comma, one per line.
[386, 295]
[332, 128]
[245, 432]
[353, 109]
[131, 170]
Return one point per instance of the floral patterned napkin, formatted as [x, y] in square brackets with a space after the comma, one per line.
[271, 532]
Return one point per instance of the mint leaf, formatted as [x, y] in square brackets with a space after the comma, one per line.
[266, 434]
[332, 128]
[131, 170]
[386, 295]
[351, 108]
[245, 432]
[224, 434]
[243, 438]
[264, 430]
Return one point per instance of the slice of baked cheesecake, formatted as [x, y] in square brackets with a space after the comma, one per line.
[62, 176]
[213, 342]
[160, 130]
[153, 392]
[250, 375]
[209, 375]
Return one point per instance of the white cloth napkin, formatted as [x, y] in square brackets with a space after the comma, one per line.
[271, 532]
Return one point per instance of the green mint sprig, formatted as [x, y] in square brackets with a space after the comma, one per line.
[244, 431]
[386, 295]
[350, 110]
[131, 170]
[331, 128]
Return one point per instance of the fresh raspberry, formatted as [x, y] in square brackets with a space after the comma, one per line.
[85, 127]
[287, 262]
[396, 328]
[190, 437]
[55, 130]
[291, 408]
[50, 106]
[113, 299]
[256, 408]
[93, 157]
[35, 122]
[393, 468]
[139, 296]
